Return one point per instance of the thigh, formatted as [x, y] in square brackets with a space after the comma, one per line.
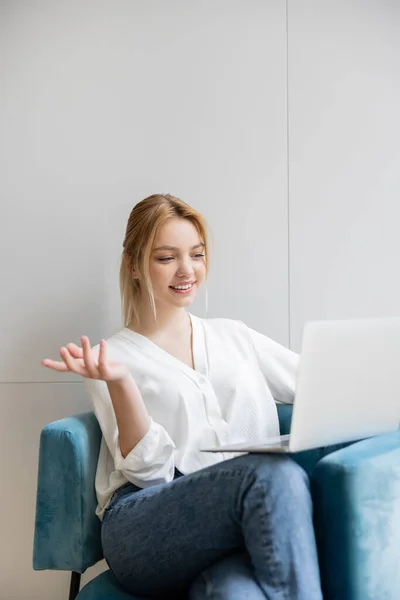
[230, 578]
[162, 537]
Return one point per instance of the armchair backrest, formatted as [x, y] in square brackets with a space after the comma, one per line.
[67, 531]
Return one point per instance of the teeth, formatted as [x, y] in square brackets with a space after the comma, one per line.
[181, 287]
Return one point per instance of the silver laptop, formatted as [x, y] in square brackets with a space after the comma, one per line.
[347, 386]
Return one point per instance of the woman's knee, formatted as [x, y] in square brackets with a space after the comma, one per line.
[230, 578]
[276, 471]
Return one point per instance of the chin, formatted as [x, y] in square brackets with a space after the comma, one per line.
[185, 301]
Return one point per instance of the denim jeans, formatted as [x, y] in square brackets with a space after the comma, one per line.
[240, 529]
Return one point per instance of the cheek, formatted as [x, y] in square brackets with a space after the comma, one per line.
[200, 270]
[159, 273]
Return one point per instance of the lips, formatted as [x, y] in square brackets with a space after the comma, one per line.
[186, 291]
[183, 283]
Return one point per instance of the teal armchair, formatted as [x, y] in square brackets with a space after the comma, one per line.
[356, 492]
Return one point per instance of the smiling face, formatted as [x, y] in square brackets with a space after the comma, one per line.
[177, 259]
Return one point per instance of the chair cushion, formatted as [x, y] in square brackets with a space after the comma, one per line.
[104, 587]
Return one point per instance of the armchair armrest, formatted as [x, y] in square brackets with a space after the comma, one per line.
[357, 515]
[67, 531]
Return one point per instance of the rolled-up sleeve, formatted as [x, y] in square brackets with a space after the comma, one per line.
[278, 364]
[151, 461]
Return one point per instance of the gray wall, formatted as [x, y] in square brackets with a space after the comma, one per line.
[344, 160]
[278, 122]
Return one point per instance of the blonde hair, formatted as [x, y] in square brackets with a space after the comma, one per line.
[144, 221]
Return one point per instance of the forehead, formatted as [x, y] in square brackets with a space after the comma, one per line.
[177, 232]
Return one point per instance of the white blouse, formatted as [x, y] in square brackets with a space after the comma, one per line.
[228, 398]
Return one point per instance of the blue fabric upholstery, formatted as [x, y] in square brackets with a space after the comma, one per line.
[104, 587]
[285, 417]
[356, 498]
[357, 520]
[67, 531]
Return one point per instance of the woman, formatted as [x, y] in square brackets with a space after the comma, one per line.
[168, 384]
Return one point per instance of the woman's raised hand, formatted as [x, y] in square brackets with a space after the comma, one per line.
[83, 361]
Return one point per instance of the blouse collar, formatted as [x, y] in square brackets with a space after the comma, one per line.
[198, 344]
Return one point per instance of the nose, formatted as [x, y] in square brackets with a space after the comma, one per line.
[185, 268]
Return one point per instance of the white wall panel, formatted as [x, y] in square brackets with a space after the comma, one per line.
[344, 159]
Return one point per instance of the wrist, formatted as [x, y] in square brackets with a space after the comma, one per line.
[121, 382]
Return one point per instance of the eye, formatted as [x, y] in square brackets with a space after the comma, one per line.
[165, 259]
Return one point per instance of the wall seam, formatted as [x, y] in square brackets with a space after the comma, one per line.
[288, 174]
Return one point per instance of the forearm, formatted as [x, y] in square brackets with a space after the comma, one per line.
[133, 420]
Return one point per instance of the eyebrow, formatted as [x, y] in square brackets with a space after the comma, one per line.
[174, 248]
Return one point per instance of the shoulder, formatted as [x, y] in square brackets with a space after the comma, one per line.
[121, 346]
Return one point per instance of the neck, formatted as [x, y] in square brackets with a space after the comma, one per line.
[169, 319]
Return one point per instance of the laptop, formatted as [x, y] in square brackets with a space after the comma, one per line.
[347, 386]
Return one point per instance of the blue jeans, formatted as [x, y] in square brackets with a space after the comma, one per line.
[240, 529]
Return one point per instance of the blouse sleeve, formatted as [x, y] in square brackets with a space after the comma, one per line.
[151, 461]
[278, 364]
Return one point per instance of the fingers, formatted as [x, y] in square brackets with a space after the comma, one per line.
[88, 358]
[103, 357]
[75, 350]
[55, 365]
[72, 356]
[72, 363]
